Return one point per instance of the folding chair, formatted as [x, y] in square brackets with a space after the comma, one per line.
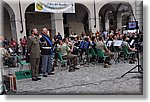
[126, 53]
[92, 53]
[21, 63]
[118, 51]
[61, 61]
[100, 54]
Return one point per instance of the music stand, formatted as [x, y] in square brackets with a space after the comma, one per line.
[140, 69]
[132, 41]
[109, 43]
[11, 51]
[117, 44]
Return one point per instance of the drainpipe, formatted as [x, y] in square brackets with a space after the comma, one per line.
[21, 31]
[94, 14]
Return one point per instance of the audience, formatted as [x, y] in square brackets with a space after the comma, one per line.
[74, 48]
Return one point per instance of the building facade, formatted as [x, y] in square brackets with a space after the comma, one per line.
[19, 17]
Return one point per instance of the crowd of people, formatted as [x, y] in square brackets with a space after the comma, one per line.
[10, 48]
[45, 52]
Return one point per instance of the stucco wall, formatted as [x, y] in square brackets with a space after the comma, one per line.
[89, 5]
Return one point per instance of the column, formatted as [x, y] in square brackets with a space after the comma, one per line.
[1, 33]
[139, 13]
[17, 25]
[106, 24]
[119, 20]
[1, 18]
[57, 24]
[92, 26]
[100, 24]
[13, 27]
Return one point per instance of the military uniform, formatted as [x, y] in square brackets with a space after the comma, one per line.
[33, 47]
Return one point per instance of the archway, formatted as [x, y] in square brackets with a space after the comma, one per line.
[124, 14]
[77, 22]
[107, 15]
[114, 15]
[9, 22]
[37, 19]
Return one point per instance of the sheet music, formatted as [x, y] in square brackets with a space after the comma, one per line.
[10, 50]
[118, 43]
[109, 43]
[132, 42]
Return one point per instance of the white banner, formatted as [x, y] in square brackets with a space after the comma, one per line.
[54, 7]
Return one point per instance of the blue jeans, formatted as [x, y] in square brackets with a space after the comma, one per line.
[46, 64]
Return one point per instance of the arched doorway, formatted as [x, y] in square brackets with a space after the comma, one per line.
[9, 22]
[114, 15]
[107, 17]
[124, 14]
[36, 19]
[77, 22]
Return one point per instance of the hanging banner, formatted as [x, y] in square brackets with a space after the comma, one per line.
[54, 7]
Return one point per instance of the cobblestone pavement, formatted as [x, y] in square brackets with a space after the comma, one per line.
[87, 80]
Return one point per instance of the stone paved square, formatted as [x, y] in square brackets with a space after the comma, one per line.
[87, 80]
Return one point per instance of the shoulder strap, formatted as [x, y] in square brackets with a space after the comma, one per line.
[48, 40]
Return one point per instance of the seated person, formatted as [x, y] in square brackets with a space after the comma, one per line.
[76, 46]
[125, 43]
[66, 53]
[87, 44]
[84, 45]
[110, 38]
[93, 43]
[100, 45]
[8, 59]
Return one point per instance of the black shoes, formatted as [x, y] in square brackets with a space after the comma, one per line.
[131, 62]
[44, 75]
[71, 69]
[108, 63]
[76, 68]
[48, 74]
[36, 79]
[51, 73]
[63, 65]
